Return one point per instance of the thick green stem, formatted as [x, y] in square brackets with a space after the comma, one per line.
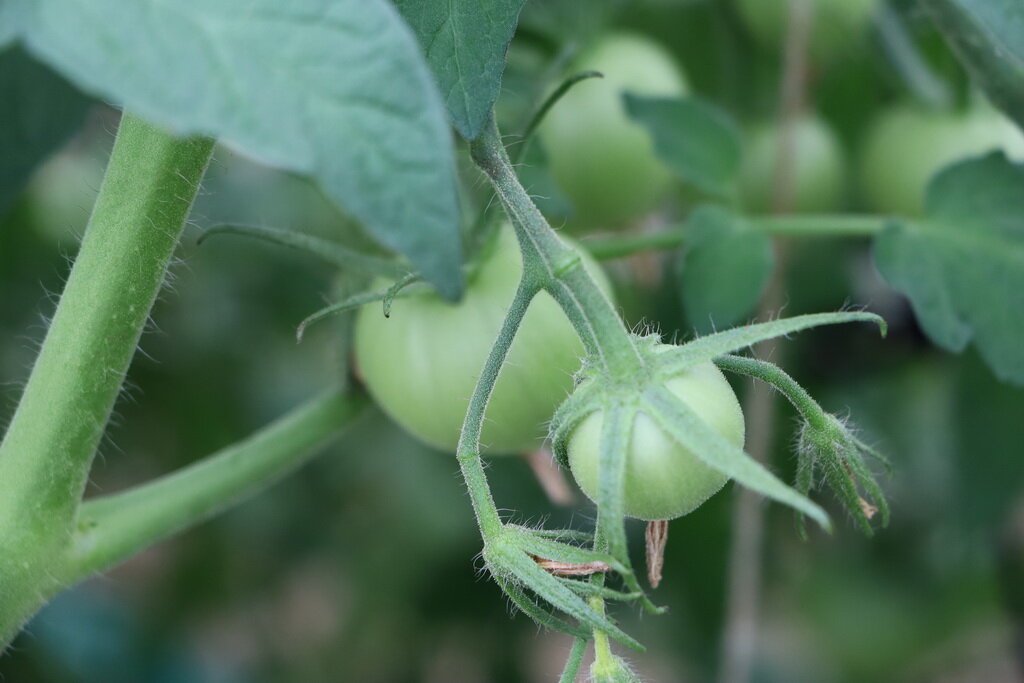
[468, 450]
[115, 527]
[146, 195]
[556, 265]
[47, 451]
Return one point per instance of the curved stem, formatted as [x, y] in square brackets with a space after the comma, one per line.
[468, 450]
[557, 266]
[777, 377]
[115, 527]
[559, 269]
[551, 100]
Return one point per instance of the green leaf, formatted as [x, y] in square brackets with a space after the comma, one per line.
[963, 265]
[10, 18]
[711, 346]
[679, 420]
[724, 268]
[333, 88]
[39, 112]
[697, 140]
[988, 36]
[465, 43]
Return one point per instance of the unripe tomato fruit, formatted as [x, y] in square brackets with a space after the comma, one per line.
[907, 145]
[819, 169]
[421, 364]
[603, 161]
[837, 26]
[663, 480]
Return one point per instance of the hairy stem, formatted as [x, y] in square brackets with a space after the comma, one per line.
[45, 456]
[468, 450]
[48, 448]
[777, 377]
[573, 662]
[115, 527]
[557, 266]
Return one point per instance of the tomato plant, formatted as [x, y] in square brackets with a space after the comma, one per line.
[602, 161]
[328, 128]
[422, 361]
[906, 145]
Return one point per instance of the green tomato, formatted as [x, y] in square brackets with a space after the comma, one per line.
[907, 145]
[819, 170]
[837, 25]
[664, 480]
[601, 160]
[421, 364]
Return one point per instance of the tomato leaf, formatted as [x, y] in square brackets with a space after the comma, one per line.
[333, 88]
[9, 22]
[723, 269]
[963, 265]
[40, 112]
[988, 36]
[677, 418]
[465, 43]
[711, 346]
[697, 140]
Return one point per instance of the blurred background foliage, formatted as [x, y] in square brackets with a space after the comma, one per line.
[303, 583]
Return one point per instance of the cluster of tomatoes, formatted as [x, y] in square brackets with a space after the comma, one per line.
[421, 364]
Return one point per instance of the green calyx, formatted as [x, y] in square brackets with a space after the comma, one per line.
[827, 448]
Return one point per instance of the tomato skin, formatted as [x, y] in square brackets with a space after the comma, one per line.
[601, 160]
[663, 479]
[421, 364]
[819, 169]
[838, 26]
[906, 145]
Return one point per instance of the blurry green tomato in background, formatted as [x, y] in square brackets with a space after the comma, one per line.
[906, 145]
[819, 169]
[600, 159]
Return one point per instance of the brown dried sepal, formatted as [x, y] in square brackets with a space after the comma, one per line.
[571, 568]
[657, 539]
